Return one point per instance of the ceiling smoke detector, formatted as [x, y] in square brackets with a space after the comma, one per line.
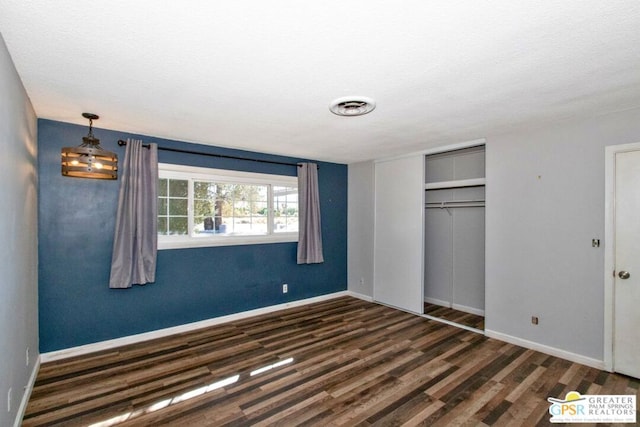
[352, 106]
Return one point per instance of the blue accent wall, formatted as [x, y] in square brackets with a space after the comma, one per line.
[75, 231]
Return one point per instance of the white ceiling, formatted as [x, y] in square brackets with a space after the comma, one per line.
[260, 75]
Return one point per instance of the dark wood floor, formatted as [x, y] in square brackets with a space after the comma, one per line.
[339, 362]
[460, 317]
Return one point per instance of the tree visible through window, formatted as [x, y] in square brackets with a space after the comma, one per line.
[230, 208]
[196, 203]
[173, 202]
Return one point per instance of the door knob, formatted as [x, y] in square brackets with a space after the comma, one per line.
[624, 275]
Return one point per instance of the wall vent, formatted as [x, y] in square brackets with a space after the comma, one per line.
[352, 106]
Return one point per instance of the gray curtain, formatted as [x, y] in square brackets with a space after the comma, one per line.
[310, 230]
[135, 241]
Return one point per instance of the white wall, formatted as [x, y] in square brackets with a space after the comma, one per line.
[545, 202]
[19, 249]
[360, 220]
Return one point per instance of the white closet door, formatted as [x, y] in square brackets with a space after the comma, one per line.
[399, 219]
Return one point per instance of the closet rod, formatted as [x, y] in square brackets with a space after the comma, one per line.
[456, 201]
[455, 204]
[223, 156]
[477, 205]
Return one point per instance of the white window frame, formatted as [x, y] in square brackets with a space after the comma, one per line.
[193, 173]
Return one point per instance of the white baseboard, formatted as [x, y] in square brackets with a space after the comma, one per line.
[27, 393]
[467, 309]
[160, 333]
[437, 301]
[459, 307]
[454, 324]
[360, 296]
[563, 354]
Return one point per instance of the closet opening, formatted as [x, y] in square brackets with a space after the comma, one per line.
[454, 236]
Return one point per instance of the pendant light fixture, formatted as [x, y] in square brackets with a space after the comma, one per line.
[89, 160]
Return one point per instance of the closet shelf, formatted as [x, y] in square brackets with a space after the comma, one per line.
[474, 182]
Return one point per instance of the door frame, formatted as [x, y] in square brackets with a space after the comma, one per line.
[610, 246]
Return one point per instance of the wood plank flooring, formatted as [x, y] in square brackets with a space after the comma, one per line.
[461, 317]
[338, 362]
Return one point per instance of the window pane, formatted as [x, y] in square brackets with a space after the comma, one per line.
[202, 208]
[246, 225]
[178, 188]
[285, 204]
[162, 206]
[260, 209]
[178, 225]
[208, 201]
[162, 225]
[162, 187]
[177, 206]
[243, 209]
[204, 225]
[203, 189]
[172, 206]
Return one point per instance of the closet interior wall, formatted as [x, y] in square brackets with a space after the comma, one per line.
[455, 229]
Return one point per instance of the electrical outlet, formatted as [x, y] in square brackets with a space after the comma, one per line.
[27, 354]
[9, 400]
[285, 288]
[534, 320]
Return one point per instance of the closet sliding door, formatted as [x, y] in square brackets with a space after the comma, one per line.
[399, 219]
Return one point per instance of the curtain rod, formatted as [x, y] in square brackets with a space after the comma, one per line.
[177, 150]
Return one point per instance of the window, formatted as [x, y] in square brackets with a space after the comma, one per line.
[213, 207]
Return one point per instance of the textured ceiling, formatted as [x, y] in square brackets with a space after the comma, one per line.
[260, 75]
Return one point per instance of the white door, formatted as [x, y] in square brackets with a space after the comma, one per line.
[626, 335]
[399, 216]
